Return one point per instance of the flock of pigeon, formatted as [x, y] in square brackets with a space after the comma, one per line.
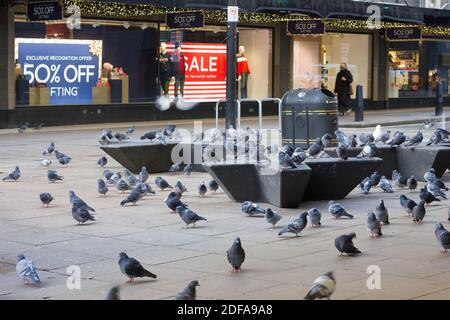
[323, 286]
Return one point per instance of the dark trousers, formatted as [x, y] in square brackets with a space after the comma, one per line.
[343, 102]
[244, 81]
[165, 82]
[179, 85]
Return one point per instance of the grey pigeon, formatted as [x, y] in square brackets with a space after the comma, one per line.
[236, 255]
[173, 201]
[366, 187]
[121, 136]
[418, 212]
[102, 188]
[442, 236]
[130, 130]
[189, 292]
[113, 293]
[368, 151]
[314, 215]
[180, 186]
[188, 216]
[23, 127]
[445, 134]
[399, 180]
[53, 176]
[64, 160]
[337, 210]
[144, 189]
[27, 271]
[322, 288]
[398, 139]
[187, 169]
[102, 161]
[375, 178]
[327, 140]
[352, 143]
[365, 139]
[315, 149]
[46, 198]
[114, 178]
[81, 214]
[162, 184]
[133, 197]
[298, 156]
[342, 152]
[381, 213]
[252, 208]
[133, 268]
[385, 185]
[386, 136]
[344, 244]
[14, 175]
[373, 225]
[122, 186]
[143, 175]
[107, 174]
[435, 190]
[59, 154]
[411, 183]
[202, 189]
[342, 139]
[50, 148]
[272, 217]
[175, 167]
[296, 226]
[213, 186]
[435, 138]
[407, 204]
[285, 160]
[427, 196]
[132, 180]
[415, 141]
[76, 201]
[149, 135]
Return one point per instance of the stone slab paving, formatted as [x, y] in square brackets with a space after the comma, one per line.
[275, 268]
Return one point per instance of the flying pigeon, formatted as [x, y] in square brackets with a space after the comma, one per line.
[213, 186]
[46, 198]
[202, 189]
[418, 212]
[314, 215]
[27, 271]
[442, 236]
[411, 183]
[296, 226]
[236, 255]
[407, 204]
[162, 184]
[272, 217]
[188, 216]
[373, 225]
[344, 244]
[338, 211]
[102, 188]
[102, 161]
[81, 214]
[189, 292]
[50, 148]
[322, 287]
[53, 176]
[381, 213]
[14, 175]
[133, 268]
[251, 208]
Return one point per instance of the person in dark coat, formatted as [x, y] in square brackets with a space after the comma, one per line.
[342, 88]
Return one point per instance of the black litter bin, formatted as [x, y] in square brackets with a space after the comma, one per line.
[308, 114]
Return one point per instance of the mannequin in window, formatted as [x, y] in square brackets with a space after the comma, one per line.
[164, 68]
[243, 71]
[178, 68]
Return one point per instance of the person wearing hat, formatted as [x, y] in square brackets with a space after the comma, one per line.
[178, 67]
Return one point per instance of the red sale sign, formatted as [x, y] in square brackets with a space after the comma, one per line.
[205, 65]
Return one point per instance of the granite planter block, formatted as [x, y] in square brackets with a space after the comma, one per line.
[416, 161]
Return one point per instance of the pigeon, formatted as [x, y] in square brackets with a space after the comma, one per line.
[375, 178]
[386, 136]
[27, 271]
[430, 175]
[366, 186]
[213, 186]
[102, 161]
[411, 183]
[162, 184]
[46, 162]
[315, 149]
[133, 197]
[326, 140]
[175, 167]
[149, 135]
[288, 150]
[188, 216]
[113, 293]
[445, 134]
[435, 138]
[202, 189]
[143, 175]
[385, 185]
[102, 188]
[251, 208]
[342, 152]
[398, 139]
[338, 211]
[314, 215]
[189, 292]
[296, 226]
[442, 236]
[133, 268]
[272, 217]
[435, 190]
[344, 244]
[322, 288]
[399, 180]
[120, 136]
[418, 212]
[298, 156]
[426, 196]
[285, 160]
[352, 143]
[181, 187]
[50, 148]
[107, 174]
[365, 139]
[368, 151]
[81, 214]
[173, 201]
[415, 141]
[46, 198]
[132, 180]
[122, 186]
[53, 176]
[114, 178]
[407, 204]
[144, 189]
[64, 160]
[23, 127]
[427, 124]
[14, 175]
[377, 134]
[76, 201]
[130, 130]
[187, 169]
[373, 225]
[381, 213]
[236, 255]
[342, 139]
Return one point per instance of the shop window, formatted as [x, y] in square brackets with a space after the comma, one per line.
[403, 73]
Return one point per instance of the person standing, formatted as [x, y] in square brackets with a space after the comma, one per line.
[243, 71]
[164, 68]
[343, 89]
[178, 67]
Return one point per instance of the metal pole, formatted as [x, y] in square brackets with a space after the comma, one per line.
[230, 111]
[439, 99]
[359, 112]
